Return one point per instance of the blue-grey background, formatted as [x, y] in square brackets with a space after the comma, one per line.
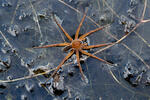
[28, 23]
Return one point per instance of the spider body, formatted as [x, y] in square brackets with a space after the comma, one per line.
[76, 45]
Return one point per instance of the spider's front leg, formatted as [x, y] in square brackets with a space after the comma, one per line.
[54, 45]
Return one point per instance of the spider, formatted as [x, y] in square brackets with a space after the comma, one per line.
[76, 45]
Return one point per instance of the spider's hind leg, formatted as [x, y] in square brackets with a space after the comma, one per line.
[78, 61]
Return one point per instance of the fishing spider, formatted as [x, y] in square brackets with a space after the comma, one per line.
[76, 45]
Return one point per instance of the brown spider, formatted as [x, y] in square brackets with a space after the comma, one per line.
[76, 45]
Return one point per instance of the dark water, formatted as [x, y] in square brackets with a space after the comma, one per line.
[28, 23]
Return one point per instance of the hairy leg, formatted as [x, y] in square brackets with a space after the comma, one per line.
[88, 54]
[54, 45]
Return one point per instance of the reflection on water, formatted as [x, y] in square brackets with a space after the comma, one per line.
[28, 23]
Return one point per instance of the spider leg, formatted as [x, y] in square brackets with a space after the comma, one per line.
[88, 54]
[66, 34]
[90, 32]
[78, 29]
[96, 46]
[54, 45]
[62, 62]
[78, 61]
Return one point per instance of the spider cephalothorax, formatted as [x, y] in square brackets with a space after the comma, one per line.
[76, 45]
